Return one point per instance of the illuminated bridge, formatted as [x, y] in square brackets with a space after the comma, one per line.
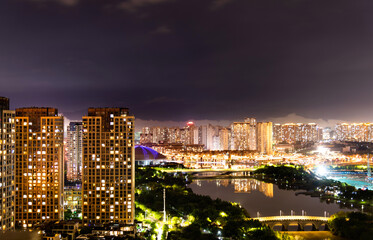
[301, 221]
[198, 170]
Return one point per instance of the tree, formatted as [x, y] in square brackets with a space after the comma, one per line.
[68, 214]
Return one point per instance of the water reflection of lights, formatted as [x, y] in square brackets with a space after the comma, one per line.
[199, 183]
[249, 185]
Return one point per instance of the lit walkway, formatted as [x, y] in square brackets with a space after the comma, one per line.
[292, 218]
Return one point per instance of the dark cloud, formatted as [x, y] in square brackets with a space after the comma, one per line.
[133, 5]
[177, 60]
[161, 30]
[63, 2]
[219, 3]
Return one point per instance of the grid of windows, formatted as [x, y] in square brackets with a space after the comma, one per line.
[73, 151]
[39, 166]
[108, 166]
[7, 169]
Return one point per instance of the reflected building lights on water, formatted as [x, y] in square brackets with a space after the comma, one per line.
[245, 186]
[249, 185]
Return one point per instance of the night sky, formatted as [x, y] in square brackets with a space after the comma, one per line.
[190, 59]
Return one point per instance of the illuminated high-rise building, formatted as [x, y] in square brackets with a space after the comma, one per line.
[289, 132]
[244, 135]
[108, 179]
[264, 137]
[191, 134]
[224, 138]
[39, 165]
[297, 133]
[146, 136]
[277, 135]
[308, 132]
[359, 132]
[342, 131]
[207, 136]
[74, 151]
[159, 134]
[7, 143]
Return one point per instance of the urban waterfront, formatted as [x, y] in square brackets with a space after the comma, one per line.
[357, 180]
[264, 198]
[186, 120]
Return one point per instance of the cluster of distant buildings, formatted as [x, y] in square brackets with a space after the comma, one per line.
[263, 137]
[357, 132]
[98, 152]
[246, 135]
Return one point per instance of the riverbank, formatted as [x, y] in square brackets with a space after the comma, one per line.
[297, 178]
[312, 235]
[189, 215]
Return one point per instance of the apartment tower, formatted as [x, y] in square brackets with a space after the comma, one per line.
[265, 137]
[74, 145]
[244, 135]
[6, 166]
[39, 165]
[108, 180]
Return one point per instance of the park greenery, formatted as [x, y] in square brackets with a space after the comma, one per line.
[352, 225]
[70, 215]
[298, 178]
[190, 216]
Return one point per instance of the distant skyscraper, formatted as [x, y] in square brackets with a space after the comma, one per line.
[224, 138]
[277, 135]
[297, 133]
[342, 131]
[207, 133]
[74, 151]
[39, 165]
[327, 134]
[265, 137]
[359, 132]
[289, 133]
[195, 137]
[244, 135]
[7, 139]
[146, 136]
[159, 134]
[108, 166]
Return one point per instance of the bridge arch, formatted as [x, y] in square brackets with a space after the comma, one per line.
[300, 221]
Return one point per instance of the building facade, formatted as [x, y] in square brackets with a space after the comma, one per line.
[264, 137]
[39, 165]
[108, 166]
[244, 135]
[357, 132]
[7, 144]
[73, 152]
[296, 133]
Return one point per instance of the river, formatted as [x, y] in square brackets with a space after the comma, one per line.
[263, 199]
[266, 199]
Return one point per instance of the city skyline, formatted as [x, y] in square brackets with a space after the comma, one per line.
[171, 119]
[231, 60]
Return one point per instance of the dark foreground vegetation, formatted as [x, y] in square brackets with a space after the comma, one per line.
[190, 216]
[352, 225]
